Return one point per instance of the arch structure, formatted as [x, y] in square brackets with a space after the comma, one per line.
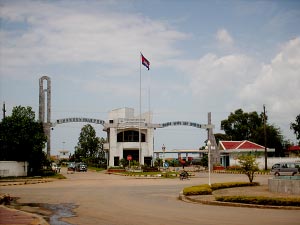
[123, 135]
[78, 120]
[123, 128]
[185, 123]
[45, 115]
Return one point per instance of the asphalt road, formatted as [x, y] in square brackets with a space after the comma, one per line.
[117, 200]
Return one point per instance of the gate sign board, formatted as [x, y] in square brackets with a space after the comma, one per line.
[80, 120]
[186, 123]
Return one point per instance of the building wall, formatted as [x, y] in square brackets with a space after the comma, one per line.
[13, 169]
[124, 119]
[270, 161]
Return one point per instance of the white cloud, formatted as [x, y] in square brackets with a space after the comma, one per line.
[277, 85]
[219, 77]
[52, 34]
[224, 37]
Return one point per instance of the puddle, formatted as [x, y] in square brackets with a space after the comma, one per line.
[52, 213]
[60, 211]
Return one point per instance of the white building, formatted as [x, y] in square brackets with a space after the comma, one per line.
[63, 154]
[123, 129]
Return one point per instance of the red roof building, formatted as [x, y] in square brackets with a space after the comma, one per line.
[230, 149]
[294, 148]
[240, 146]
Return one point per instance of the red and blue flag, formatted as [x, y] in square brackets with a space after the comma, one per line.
[145, 62]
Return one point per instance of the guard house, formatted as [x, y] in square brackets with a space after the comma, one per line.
[123, 136]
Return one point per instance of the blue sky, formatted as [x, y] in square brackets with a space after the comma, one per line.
[206, 56]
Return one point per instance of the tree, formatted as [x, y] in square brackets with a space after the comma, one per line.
[248, 165]
[296, 127]
[242, 126]
[88, 145]
[221, 137]
[23, 139]
[250, 126]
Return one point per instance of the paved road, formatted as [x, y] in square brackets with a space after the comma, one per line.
[117, 200]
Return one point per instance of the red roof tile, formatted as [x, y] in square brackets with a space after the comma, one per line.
[231, 145]
[294, 148]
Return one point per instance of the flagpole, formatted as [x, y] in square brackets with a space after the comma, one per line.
[140, 150]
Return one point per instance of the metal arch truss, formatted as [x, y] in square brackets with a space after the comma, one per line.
[78, 120]
[160, 125]
[186, 123]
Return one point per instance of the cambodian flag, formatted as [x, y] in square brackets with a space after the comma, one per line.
[145, 62]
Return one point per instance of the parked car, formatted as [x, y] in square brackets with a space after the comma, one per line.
[71, 167]
[56, 168]
[285, 168]
[81, 167]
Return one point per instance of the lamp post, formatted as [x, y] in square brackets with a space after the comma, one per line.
[208, 147]
[163, 149]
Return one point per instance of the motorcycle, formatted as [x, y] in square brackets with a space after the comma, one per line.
[183, 175]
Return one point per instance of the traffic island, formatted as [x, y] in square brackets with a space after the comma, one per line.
[259, 197]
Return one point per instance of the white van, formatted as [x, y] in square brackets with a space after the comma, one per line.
[285, 168]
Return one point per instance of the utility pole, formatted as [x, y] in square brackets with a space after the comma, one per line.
[3, 109]
[265, 137]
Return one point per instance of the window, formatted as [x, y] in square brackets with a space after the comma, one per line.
[130, 136]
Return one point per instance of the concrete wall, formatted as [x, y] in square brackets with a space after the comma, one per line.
[284, 186]
[271, 161]
[13, 169]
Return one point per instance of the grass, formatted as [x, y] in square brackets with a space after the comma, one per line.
[96, 168]
[205, 189]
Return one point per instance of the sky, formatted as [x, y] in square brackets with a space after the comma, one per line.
[205, 56]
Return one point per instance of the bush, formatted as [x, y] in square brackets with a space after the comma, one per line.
[233, 168]
[47, 173]
[218, 186]
[149, 169]
[260, 200]
[205, 189]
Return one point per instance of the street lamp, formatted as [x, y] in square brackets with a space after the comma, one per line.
[208, 147]
[163, 149]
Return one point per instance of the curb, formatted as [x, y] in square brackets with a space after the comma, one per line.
[238, 172]
[14, 216]
[12, 183]
[187, 199]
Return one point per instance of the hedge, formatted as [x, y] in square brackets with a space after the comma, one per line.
[259, 200]
[205, 189]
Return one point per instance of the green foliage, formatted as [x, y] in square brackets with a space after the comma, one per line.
[233, 168]
[89, 148]
[296, 127]
[174, 162]
[242, 125]
[221, 137]
[23, 139]
[259, 200]
[248, 165]
[217, 186]
[158, 162]
[204, 160]
[205, 189]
